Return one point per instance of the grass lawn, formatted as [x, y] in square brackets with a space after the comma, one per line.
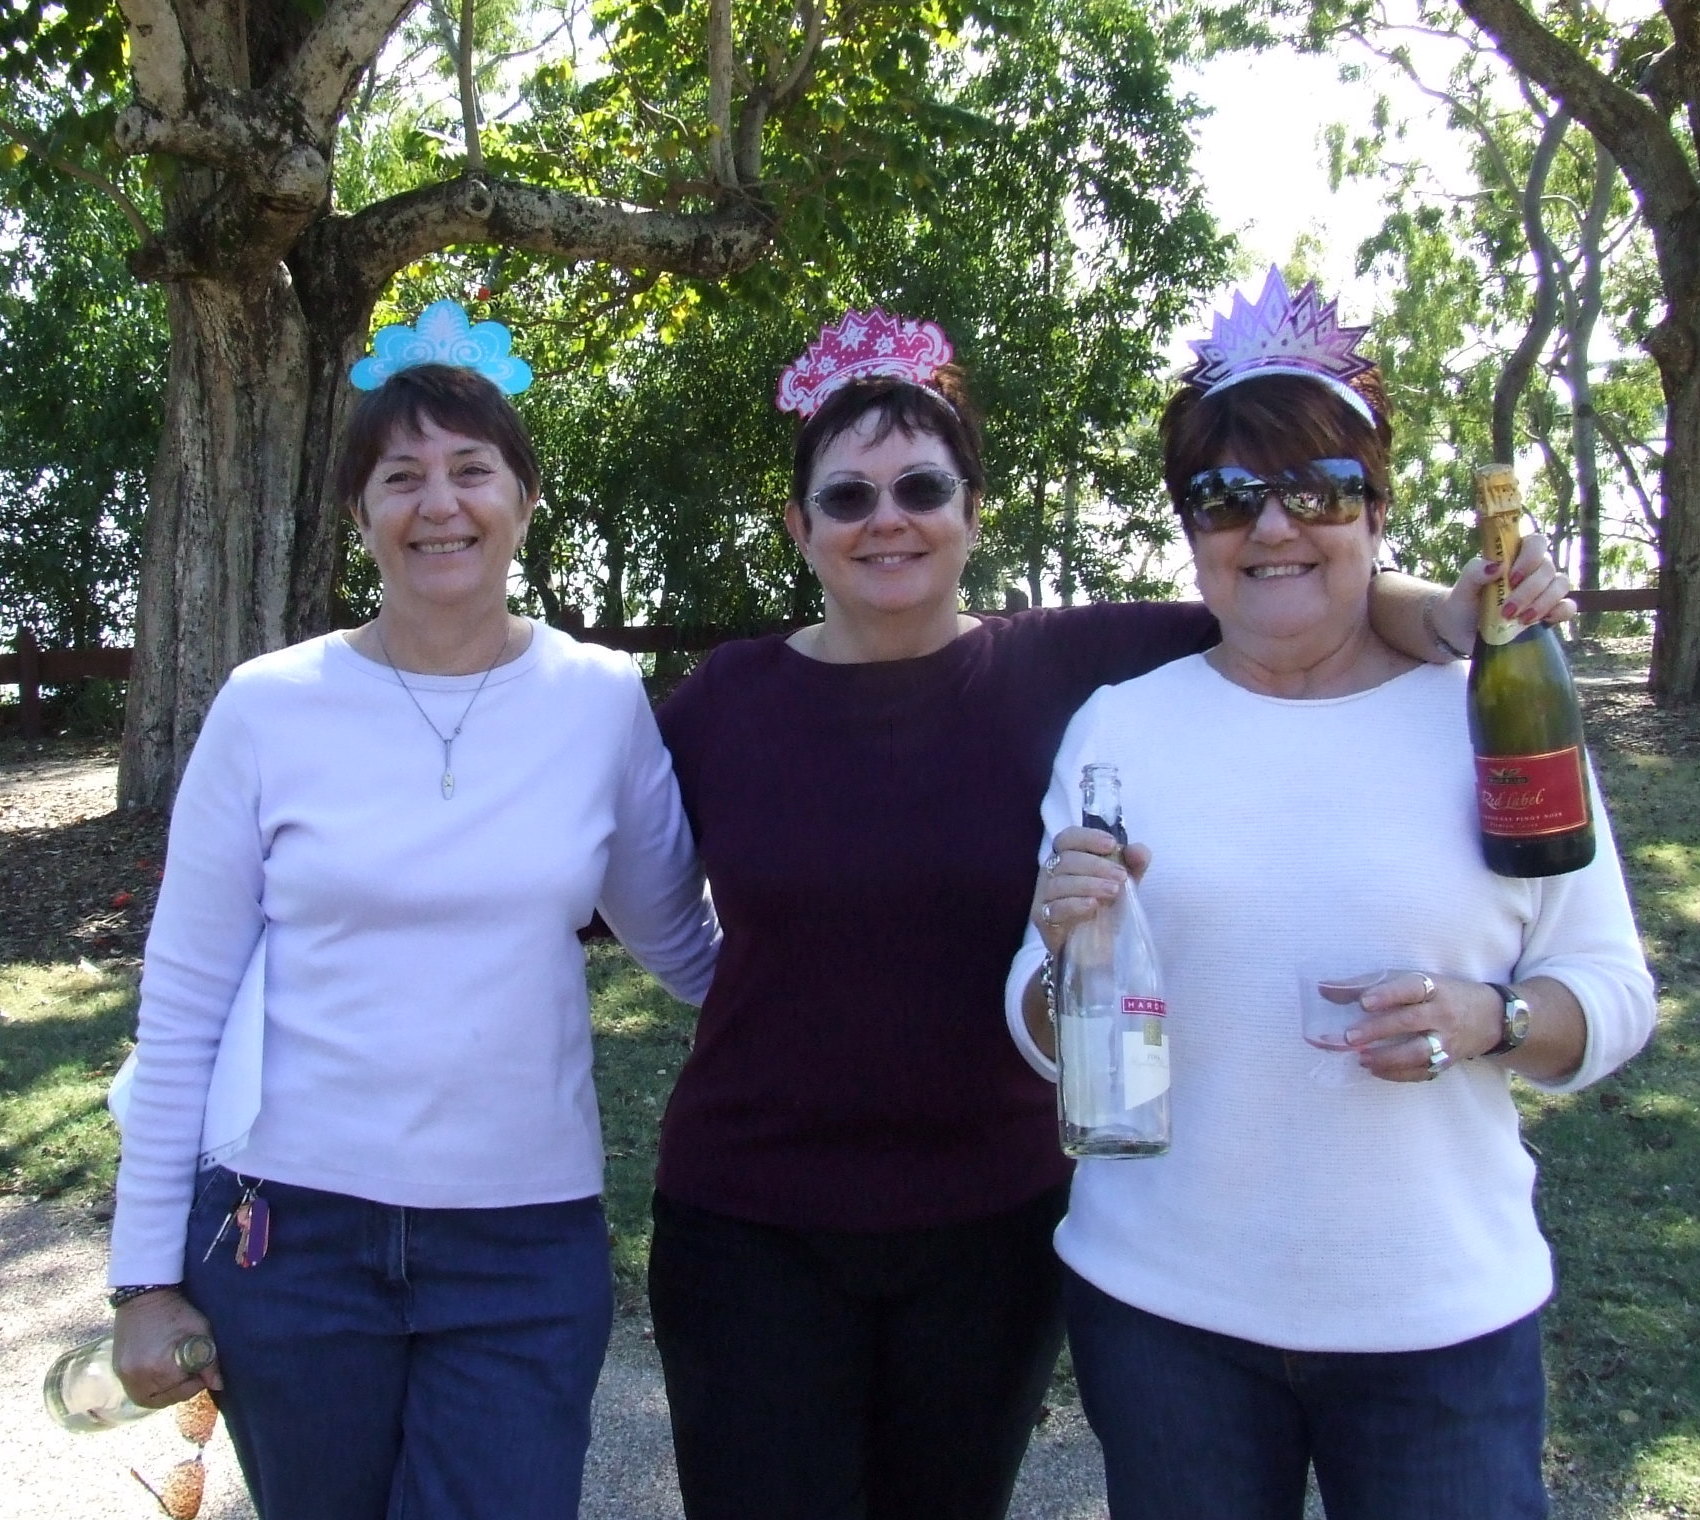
[1620, 1163]
[1620, 1175]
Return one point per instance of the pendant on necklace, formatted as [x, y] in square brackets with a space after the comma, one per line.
[448, 785]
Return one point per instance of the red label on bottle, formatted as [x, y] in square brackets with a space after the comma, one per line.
[1154, 1007]
[1521, 796]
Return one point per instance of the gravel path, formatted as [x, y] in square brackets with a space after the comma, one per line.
[51, 1262]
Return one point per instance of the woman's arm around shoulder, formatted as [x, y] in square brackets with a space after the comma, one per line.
[653, 895]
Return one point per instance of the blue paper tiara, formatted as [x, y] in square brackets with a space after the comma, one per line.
[443, 335]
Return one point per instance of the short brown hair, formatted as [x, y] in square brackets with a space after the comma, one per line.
[460, 400]
[942, 409]
[1273, 423]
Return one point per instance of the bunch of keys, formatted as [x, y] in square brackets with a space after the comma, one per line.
[252, 1217]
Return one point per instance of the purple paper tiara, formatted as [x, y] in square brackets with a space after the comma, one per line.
[863, 343]
[1282, 335]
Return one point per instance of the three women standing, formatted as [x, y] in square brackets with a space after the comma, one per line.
[415, 818]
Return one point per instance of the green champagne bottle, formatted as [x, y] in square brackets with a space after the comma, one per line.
[1525, 725]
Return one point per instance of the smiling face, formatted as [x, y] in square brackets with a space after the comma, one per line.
[895, 573]
[1278, 583]
[442, 514]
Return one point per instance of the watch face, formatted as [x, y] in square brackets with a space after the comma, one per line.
[1517, 1020]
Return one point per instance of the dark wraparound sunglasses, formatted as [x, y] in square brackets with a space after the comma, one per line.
[1323, 491]
[851, 500]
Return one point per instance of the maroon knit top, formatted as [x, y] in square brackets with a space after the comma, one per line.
[870, 833]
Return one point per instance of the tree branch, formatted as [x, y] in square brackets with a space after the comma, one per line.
[159, 53]
[234, 132]
[1514, 378]
[766, 98]
[323, 75]
[132, 212]
[468, 88]
[722, 163]
[1631, 129]
[388, 236]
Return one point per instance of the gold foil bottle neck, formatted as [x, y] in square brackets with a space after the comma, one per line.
[1499, 511]
[1496, 491]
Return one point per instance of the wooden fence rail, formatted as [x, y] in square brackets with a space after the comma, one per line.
[32, 667]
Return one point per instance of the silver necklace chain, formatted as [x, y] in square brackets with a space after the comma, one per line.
[446, 740]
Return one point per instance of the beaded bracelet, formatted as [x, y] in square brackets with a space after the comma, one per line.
[121, 1296]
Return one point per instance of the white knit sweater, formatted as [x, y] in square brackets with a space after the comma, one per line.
[427, 1026]
[1297, 1209]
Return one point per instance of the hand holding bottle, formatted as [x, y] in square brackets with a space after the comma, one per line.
[1083, 873]
[1541, 594]
[146, 1334]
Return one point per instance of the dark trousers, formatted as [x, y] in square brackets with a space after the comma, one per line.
[824, 1375]
[432, 1364]
[1196, 1425]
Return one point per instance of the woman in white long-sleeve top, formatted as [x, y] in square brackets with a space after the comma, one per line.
[405, 1263]
[1338, 1261]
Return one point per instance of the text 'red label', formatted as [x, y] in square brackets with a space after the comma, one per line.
[1520, 796]
[1154, 1007]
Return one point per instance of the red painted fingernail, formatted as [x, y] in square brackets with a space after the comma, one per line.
[1509, 610]
[1491, 567]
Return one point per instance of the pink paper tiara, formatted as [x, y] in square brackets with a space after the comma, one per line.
[863, 343]
[1282, 335]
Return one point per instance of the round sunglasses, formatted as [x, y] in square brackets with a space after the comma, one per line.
[1327, 491]
[854, 499]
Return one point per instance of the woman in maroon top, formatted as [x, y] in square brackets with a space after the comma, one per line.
[852, 1284]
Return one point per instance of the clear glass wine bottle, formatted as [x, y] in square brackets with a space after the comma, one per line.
[1112, 1019]
[82, 1391]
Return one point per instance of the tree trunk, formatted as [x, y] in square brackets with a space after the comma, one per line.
[1675, 675]
[241, 534]
[1036, 545]
[217, 558]
[1587, 301]
[1066, 575]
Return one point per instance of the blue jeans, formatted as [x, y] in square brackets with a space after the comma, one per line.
[1200, 1426]
[415, 1364]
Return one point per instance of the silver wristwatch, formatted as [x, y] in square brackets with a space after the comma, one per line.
[1514, 1021]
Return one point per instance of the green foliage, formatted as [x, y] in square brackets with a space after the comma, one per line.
[1463, 289]
[1619, 1193]
[82, 357]
[1075, 239]
[1052, 226]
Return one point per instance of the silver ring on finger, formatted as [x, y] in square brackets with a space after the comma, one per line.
[1046, 914]
[1439, 1057]
[1428, 987]
[1052, 861]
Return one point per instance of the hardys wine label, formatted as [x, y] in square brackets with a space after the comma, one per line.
[1499, 505]
[1155, 1007]
[1521, 796]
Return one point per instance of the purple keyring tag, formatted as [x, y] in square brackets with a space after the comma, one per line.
[256, 1232]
